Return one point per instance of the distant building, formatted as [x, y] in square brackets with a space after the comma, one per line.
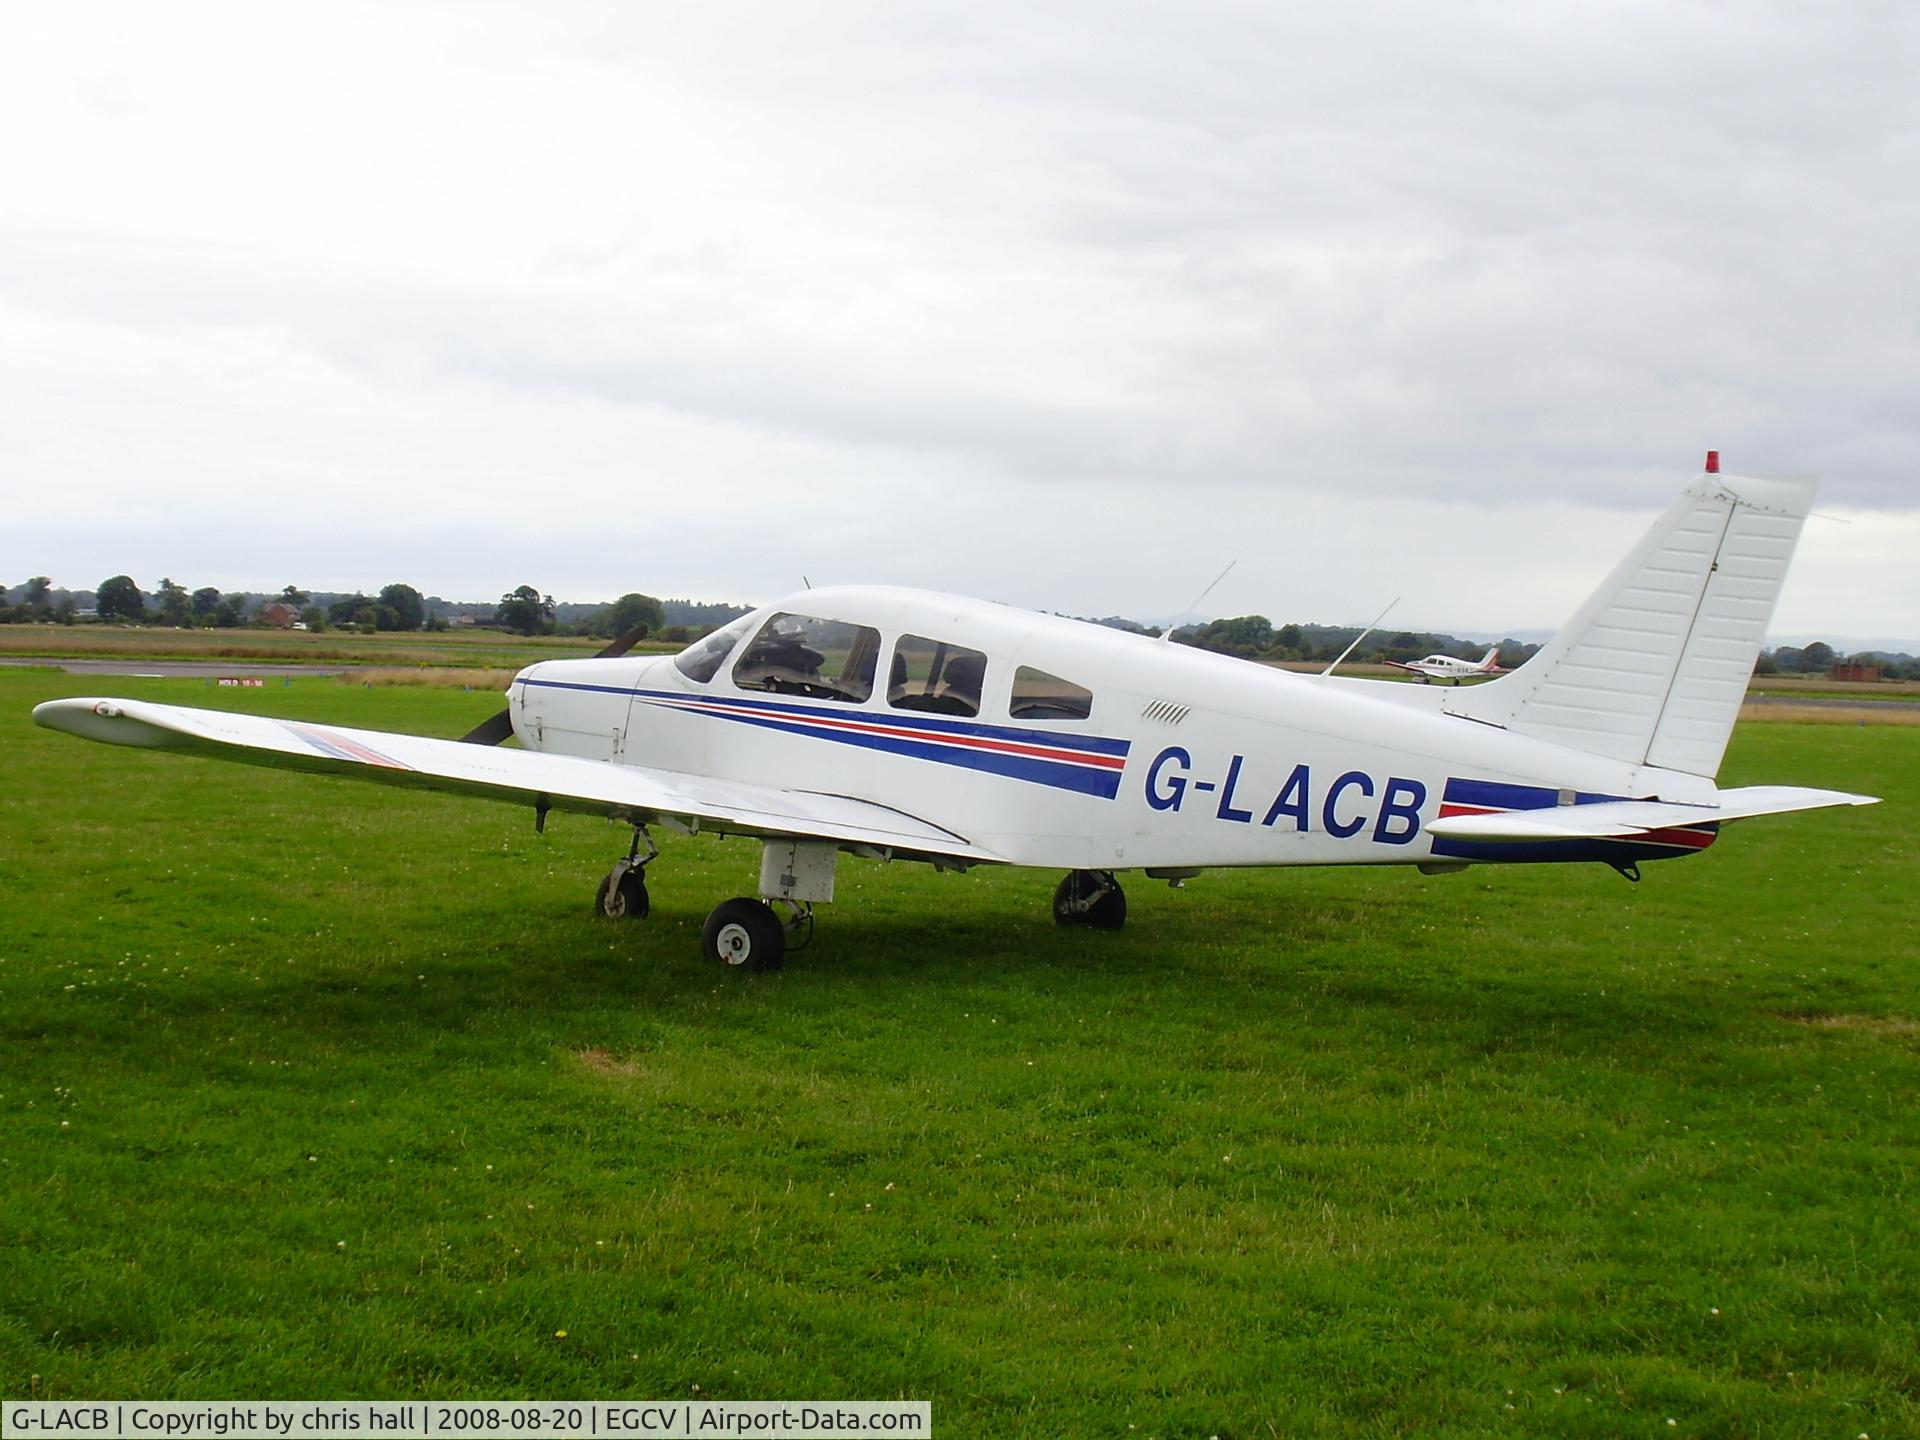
[279, 614]
[1854, 670]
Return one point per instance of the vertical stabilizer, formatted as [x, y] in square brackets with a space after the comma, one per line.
[1653, 668]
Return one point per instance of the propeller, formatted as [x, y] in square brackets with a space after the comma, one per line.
[499, 726]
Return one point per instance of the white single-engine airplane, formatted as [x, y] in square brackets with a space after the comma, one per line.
[1448, 667]
[903, 724]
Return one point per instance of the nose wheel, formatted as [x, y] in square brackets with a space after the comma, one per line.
[623, 891]
[1090, 897]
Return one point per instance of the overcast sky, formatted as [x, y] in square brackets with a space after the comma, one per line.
[1066, 305]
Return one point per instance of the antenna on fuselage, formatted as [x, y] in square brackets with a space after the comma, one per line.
[1167, 634]
[1358, 638]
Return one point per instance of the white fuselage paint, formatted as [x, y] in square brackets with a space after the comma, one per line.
[1257, 766]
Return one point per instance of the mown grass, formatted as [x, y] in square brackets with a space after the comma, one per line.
[463, 647]
[315, 1089]
[1865, 713]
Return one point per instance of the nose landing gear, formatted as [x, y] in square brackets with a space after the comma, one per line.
[623, 892]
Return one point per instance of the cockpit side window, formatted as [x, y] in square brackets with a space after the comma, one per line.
[701, 661]
[936, 677]
[805, 655]
[1040, 696]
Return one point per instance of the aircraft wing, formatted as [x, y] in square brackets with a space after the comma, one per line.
[1617, 819]
[632, 793]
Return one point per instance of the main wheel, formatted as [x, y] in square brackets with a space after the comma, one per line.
[622, 894]
[745, 934]
[1090, 897]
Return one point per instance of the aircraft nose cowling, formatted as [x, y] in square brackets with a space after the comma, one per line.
[576, 707]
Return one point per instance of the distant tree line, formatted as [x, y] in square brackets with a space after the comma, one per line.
[527, 610]
[119, 600]
[1254, 637]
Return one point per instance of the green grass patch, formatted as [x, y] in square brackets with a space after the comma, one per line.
[459, 647]
[314, 1089]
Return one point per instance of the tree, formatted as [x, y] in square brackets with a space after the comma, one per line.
[526, 611]
[1817, 658]
[232, 612]
[39, 593]
[314, 618]
[295, 597]
[174, 602]
[629, 611]
[1245, 635]
[342, 612]
[206, 600]
[405, 609]
[120, 599]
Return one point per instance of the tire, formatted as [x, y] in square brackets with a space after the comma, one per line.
[744, 934]
[1109, 912]
[622, 899]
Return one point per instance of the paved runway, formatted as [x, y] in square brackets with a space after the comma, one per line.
[172, 669]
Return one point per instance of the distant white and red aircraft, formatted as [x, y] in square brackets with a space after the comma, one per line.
[907, 725]
[1447, 667]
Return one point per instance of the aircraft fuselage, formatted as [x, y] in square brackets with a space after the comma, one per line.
[1185, 759]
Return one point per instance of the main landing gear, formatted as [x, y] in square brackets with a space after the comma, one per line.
[744, 933]
[1090, 897]
[752, 935]
[755, 933]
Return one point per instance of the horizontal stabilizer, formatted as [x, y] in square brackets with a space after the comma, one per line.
[634, 793]
[1623, 819]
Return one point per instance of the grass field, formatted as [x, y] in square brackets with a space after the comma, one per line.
[311, 1089]
[460, 648]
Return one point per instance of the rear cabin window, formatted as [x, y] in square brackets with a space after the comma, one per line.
[1040, 696]
[805, 655]
[936, 677]
[701, 661]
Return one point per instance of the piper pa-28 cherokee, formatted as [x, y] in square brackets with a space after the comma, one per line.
[1448, 667]
[903, 724]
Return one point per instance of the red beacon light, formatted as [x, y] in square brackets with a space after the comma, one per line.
[1713, 462]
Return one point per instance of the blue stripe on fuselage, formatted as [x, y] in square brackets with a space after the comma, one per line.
[792, 719]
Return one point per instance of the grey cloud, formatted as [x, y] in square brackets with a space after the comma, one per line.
[1242, 254]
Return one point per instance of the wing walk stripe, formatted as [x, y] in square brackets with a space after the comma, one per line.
[339, 747]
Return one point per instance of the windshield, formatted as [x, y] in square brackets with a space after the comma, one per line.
[809, 655]
[701, 661]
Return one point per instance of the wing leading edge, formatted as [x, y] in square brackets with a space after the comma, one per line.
[632, 793]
